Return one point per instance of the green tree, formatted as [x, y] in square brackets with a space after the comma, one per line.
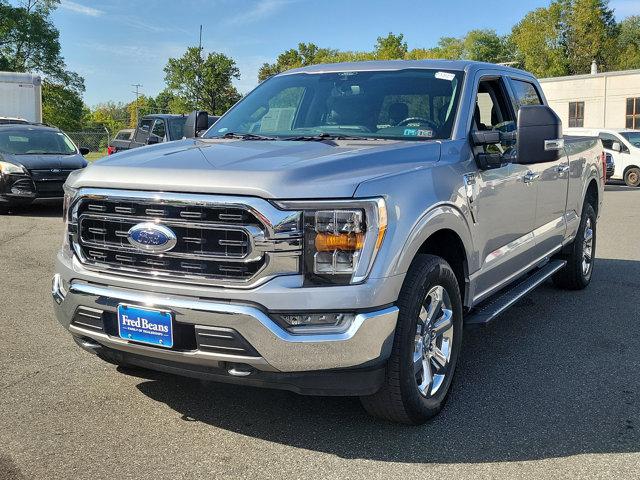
[538, 41]
[306, 54]
[62, 106]
[484, 46]
[629, 44]
[391, 47]
[112, 116]
[591, 33]
[29, 42]
[204, 82]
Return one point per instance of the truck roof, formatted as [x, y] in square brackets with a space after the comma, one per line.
[377, 65]
[164, 115]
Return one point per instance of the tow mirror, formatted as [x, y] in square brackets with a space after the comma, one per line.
[539, 138]
[616, 147]
[197, 121]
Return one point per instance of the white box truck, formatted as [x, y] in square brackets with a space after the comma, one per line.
[21, 96]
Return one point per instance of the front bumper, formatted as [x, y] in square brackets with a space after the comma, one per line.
[366, 344]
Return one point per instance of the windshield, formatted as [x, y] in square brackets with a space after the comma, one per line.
[176, 128]
[35, 142]
[412, 104]
[632, 137]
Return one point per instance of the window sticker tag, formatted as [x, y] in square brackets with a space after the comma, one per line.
[445, 76]
[415, 132]
[222, 130]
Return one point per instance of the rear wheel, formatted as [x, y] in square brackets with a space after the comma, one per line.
[426, 345]
[576, 275]
[632, 177]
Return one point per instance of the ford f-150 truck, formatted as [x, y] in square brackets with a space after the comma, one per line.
[332, 232]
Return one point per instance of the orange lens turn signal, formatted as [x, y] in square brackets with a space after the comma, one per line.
[328, 242]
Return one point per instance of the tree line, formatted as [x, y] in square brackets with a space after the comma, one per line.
[561, 39]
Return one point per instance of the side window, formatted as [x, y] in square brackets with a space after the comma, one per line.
[159, 129]
[632, 117]
[526, 93]
[492, 112]
[608, 140]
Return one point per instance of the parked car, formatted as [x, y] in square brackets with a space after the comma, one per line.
[35, 161]
[120, 141]
[624, 148]
[155, 128]
[332, 232]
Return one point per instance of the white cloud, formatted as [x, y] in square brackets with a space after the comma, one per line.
[81, 9]
[262, 10]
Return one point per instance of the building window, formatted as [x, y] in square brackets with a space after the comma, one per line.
[576, 114]
[633, 113]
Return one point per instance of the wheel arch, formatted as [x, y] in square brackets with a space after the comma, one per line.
[443, 231]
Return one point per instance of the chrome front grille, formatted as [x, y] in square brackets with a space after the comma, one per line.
[228, 241]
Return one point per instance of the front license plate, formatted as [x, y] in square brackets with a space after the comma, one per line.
[145, 325]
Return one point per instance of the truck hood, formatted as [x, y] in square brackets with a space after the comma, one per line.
[44, 162]
[267, 169]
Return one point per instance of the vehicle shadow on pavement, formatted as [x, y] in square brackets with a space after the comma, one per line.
[557, 375]
[40, 208]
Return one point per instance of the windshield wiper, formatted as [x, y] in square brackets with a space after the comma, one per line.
[246, 136]
[327, 136]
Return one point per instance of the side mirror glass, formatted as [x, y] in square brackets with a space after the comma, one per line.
[616, 147]
[84, 151]
[196, 122]
[539, 138]
[152, 140]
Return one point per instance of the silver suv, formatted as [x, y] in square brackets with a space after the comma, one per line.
[332, 232]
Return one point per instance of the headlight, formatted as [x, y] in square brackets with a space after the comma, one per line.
[341, 239]
[69, 197]
[7, 168]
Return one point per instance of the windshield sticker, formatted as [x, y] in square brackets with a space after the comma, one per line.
[415, 132]
[222, 130]
[445, 76]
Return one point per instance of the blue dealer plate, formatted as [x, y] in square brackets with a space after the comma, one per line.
[145, 325]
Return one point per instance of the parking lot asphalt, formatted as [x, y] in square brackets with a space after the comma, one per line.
[550, 390]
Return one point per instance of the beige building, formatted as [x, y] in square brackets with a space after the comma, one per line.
[599, 100]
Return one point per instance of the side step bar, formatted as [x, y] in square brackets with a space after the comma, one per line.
[493, 307]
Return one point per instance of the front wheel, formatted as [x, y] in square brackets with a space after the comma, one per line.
[632, 177]
[576, 275]
[426, 345]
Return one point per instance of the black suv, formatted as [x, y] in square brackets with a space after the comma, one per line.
[35, 161]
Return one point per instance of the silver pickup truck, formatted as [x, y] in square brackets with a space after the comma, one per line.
[332, 232]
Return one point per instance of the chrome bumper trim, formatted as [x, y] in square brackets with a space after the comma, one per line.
[368, 339]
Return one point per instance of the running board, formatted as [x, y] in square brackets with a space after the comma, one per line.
[493, 307]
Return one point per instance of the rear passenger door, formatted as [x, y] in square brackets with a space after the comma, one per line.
[550, 180]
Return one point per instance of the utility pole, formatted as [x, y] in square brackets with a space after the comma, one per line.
[137, 92]
[198, 73]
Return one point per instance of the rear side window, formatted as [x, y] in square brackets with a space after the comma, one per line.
[526, 93]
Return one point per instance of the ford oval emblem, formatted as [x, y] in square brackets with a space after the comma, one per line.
[152, 237]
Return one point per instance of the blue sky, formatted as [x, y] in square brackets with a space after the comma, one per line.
[116, 43]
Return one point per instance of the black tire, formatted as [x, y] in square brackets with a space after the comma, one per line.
[632, 177]
[400, 399]
[573, 275]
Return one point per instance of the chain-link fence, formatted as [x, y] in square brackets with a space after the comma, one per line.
[95, 141]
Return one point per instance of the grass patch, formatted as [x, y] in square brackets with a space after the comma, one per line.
[91, 156]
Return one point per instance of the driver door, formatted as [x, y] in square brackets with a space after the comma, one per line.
[505, 206]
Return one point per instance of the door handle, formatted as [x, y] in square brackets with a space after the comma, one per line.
[530, 177]
[564, 168]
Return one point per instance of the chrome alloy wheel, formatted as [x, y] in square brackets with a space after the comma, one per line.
[433, 341]
[587, 247]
